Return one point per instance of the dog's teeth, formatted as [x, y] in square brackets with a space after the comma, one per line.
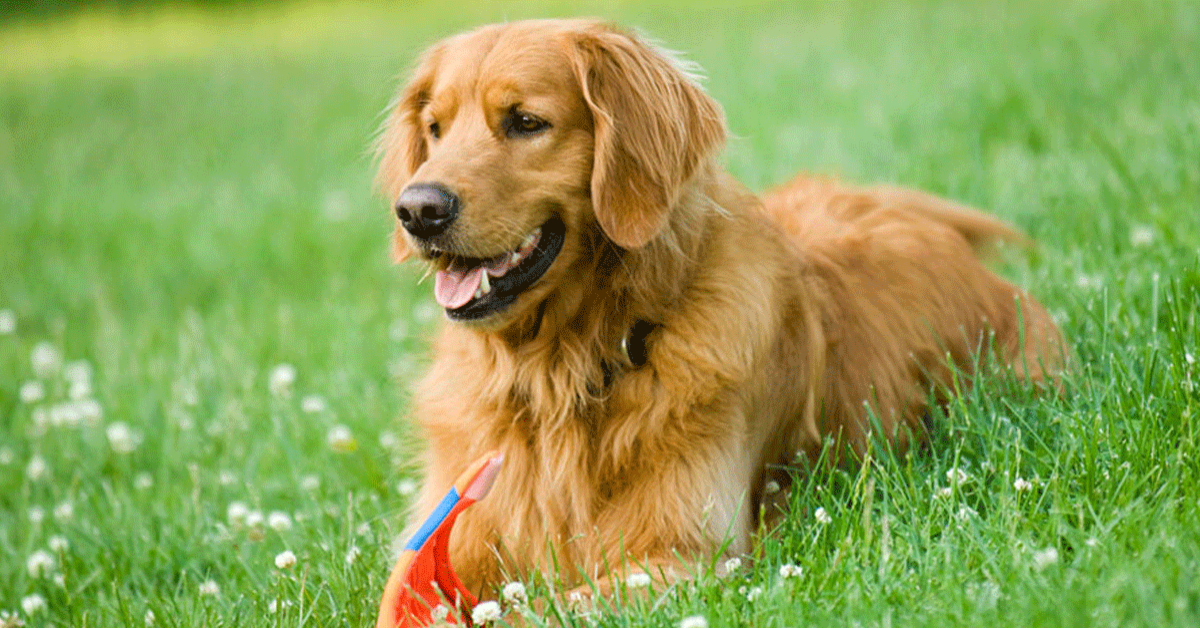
[484, 286]
[478, 293]
[515, 258]
[528, 242]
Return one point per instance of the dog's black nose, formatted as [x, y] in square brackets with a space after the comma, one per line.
[426, 209]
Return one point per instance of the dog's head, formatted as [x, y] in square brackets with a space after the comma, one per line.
[512, 143]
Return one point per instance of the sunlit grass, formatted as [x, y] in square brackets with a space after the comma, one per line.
[204, 347]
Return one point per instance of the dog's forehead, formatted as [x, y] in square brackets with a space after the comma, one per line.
[502, 62]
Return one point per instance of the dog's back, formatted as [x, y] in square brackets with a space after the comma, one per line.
[910, 304]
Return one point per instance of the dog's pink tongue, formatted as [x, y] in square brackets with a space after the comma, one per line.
[453, 288]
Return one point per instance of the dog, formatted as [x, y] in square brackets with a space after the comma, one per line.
[645, 341]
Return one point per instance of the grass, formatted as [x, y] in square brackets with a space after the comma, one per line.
[185, 205]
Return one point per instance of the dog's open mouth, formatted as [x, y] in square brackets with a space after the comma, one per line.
[474, 288]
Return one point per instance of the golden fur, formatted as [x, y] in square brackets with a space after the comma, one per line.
[781, 321]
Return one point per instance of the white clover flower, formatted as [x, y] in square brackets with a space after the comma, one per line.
[143, 481]
[956, 476]
[822, 517]
[1141, 235]
[88, 412]
[1045, 558]
[209, 588]
[37, 515]
[39, 564]
[341, 440]
[6, 456]
[754, 593]
[694, 621]
[310, 483]
[40, 419]
[78, 390]
[439, 613]
[60, 581]
[401, 367]
[1092, 542]
[278, 605]
[285, 559]
[312, 404]
[1089, 282]
[279, 521]
[985, 594]
[1191, 359]
[943, 493]
[576, 601]
[31, 391]
[254, 519]
[65, 511]
[121, 438]
[425, 312]
[514, 593]
[37, 468]
[1022, 485]
[148, 619]
[58, 543]
[236, 513]
[33, 604]
[790, 571]
[485, 612]
[771, 487]
[733, 564]
[352, 554]
[61, 414]
[966, 513]
[46, 360]
[406, 487]
[8, 324]
[77, 371]
[388, 440]
[638, 580]
[398, 330]
[9, 619]
[281, 379]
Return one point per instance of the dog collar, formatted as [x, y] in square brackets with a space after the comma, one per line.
[635, 351]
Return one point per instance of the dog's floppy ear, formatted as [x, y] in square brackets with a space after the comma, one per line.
[400, 145]
[654, 126]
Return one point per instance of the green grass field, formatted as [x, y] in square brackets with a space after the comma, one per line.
[185, 212]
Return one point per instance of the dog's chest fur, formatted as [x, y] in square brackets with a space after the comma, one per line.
[583, 430]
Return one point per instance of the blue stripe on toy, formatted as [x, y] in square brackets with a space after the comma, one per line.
[435, 519]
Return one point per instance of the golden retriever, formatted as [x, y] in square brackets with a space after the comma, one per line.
[646, 341]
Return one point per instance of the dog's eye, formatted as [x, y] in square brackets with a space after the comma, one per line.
[520, 124]
[435, 130]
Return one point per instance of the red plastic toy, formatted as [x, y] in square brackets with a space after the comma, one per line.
[423, 578]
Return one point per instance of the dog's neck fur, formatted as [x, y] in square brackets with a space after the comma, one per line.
[578, 330]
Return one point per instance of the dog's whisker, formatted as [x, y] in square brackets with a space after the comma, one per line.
[430, 268]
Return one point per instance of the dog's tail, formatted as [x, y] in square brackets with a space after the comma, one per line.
[985, 233]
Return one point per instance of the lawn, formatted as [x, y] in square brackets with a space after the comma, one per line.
[204, 346]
